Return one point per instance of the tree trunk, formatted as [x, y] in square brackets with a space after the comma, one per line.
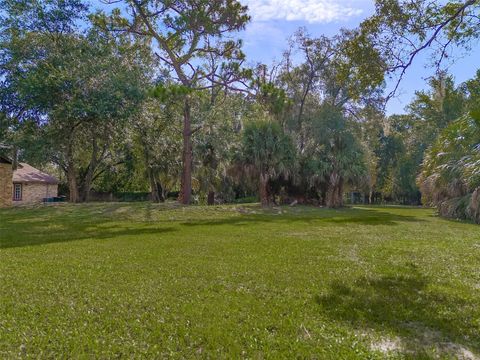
[85, 193]
[72, 185]
[340, 192]
[331, 191]
[330, 200]
[154, 188]
[334, 196]
[87, 183]
[92, 167]
[186, 180]
[211, 198]
[263, 190]
[323, 194]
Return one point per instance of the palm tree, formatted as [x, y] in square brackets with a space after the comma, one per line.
[267, 153]
[450, 177]
[336, 157]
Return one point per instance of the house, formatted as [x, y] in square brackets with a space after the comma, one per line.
[25, 185]
[6, 182]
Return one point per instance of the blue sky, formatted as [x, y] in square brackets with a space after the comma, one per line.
[274, 21]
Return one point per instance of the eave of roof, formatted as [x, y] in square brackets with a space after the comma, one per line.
[5, 160]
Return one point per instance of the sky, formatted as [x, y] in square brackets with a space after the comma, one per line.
[274, 21]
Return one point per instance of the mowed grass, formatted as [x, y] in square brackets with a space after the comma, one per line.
[156, 281]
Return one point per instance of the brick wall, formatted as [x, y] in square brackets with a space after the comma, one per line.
[34, 193]
[6, 175]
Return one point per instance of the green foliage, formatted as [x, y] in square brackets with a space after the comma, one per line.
[453, 162]
[170, 92]
[399, 158]
[361, 64]
[395, 38]
[125, 175]
[472, 87]
[267, 149]
[76, 87]
[268, 153]
[93, 100]
[439, 106]
[334, 155]
[406, 138]
[273, 98]
[192, 40]
[156, 140]
[216, 142]
[54, 16]
[449, 174]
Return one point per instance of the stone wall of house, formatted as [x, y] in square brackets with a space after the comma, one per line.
[6, 186]
[34, 193]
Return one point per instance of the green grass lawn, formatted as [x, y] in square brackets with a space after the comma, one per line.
[156, 281]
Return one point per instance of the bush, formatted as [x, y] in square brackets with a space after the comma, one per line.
[450, 177]
[473, 210]
[466, 207]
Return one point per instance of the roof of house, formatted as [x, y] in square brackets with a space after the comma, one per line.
[5, 160]
[28, 174]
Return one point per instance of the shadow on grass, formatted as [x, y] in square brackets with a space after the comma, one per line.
[344, 216]
[43, 225]
[421, 318]
[39, 228]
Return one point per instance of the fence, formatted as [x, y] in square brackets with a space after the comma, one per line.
[120, 197]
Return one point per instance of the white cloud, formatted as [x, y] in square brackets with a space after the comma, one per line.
[263, 31]
[312, 11]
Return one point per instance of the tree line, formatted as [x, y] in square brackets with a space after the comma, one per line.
[158, 96]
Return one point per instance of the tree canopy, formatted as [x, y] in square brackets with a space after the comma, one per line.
[158, 97]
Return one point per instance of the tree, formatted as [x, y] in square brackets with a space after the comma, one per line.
[20, 23]
[334, 156]
[217, 142]
[157, 142]
[400, 30]
[405, 138]
[434, 109]
[77, 88]
[301, 82]
[450, 177]
[187, 34]
[267, 153]
[450, 171]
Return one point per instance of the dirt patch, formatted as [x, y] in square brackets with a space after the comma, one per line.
[386, 345]
[425, 339]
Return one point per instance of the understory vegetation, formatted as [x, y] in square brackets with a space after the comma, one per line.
[238, 281]
[158, 97]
